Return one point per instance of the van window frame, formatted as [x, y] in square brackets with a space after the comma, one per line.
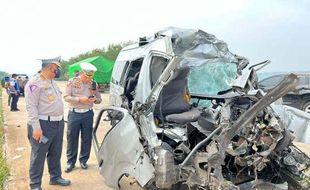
[127, 68]
[118, 67]
[161, 55]
[121, 81]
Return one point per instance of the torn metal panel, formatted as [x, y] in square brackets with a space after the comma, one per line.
[297, 121]
[130, 157]
[285, 86]
[197, 47]
[288, 84]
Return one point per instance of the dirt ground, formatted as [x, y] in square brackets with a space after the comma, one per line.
[18, 155]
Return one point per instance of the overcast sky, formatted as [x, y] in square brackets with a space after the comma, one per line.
[277, 30]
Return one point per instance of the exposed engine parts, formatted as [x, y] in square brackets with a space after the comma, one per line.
[204, 155]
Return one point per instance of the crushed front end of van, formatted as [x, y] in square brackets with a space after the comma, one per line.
[186, 113]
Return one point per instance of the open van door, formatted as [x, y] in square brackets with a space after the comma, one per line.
[116, 140]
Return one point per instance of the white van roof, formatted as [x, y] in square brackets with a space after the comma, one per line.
[134, 51]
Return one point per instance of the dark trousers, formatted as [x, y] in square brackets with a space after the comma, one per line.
[9, 99]
[52, 149]
[14, 101]
[22, 93]
[79, 122]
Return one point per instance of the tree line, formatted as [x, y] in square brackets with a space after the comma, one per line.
[110, 52]
[3, 74]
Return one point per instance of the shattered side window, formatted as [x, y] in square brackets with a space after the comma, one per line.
[158, 65]
[211, 78]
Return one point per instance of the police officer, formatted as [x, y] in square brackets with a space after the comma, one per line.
[14, 92]
[45, 124]
[81, 93]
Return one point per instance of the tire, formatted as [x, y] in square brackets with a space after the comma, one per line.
[151, 186]
[306, 107]
[178, 186]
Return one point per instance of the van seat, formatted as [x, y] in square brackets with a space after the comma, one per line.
[185, 117]
[172, 106]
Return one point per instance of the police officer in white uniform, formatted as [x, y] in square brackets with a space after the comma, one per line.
[45, 124]
[81, 93]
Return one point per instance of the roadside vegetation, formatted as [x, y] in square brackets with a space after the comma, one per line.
[4, 170]
[109, 52]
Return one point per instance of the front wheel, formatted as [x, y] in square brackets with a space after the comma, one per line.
[306, 106]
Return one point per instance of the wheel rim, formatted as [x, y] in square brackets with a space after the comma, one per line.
[307, 108]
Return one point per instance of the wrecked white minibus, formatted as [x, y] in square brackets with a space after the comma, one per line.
[186, 113]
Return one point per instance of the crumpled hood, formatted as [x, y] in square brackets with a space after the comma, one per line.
[197, 47]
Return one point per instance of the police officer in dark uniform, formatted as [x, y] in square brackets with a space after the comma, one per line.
[81, 93]
[45, 124]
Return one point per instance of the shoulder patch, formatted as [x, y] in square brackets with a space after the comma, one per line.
[32, 87]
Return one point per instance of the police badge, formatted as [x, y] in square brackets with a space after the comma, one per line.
[77, 83]
[51, 97]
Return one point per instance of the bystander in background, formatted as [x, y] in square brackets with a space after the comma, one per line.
[14, 92]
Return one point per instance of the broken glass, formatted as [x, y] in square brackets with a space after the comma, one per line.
[211, 79]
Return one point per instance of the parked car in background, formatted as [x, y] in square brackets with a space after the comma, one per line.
[299, 99]
[22, 76]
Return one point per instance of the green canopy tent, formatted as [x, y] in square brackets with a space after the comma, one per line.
[104, 68]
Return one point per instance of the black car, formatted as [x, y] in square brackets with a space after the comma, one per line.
[299, 99]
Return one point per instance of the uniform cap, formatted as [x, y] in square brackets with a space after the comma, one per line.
[88, 68]
[55, 60]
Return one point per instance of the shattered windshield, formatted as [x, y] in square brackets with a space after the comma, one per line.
[211, 78]
[213, 66]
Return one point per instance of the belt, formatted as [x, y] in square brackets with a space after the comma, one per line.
[80, 110]
[51, 118]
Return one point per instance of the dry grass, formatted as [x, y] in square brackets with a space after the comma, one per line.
[4, 170]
